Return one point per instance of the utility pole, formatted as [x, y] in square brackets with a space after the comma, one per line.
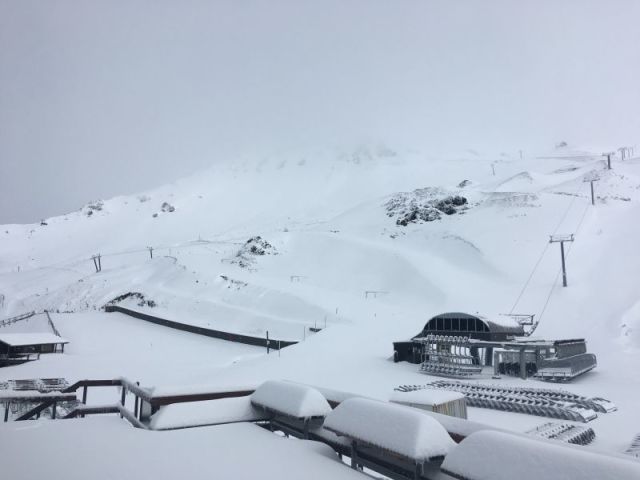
[150, 251]
[97, 263]
[561, 239]
[625, 152]
[608, 154]
[591, 180]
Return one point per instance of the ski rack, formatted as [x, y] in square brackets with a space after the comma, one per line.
[564, 432]
[445, 355]
[533, 401]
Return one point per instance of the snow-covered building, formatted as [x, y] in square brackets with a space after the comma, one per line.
[22, 347]
[445, 402]
[458, 324]
[473, 326]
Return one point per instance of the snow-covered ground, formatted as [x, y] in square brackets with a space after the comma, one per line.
[337, 258]
[116, 450]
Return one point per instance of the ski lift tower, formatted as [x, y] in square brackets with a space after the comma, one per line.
[561, 239]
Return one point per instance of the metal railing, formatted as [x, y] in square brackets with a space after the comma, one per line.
[17, 318]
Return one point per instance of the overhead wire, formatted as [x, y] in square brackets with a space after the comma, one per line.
[557, 277]
[575, 195]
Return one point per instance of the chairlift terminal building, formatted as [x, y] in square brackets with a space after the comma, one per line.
[459, 344]
[458, 324]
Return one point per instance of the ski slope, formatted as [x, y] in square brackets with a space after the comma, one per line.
[338, 260]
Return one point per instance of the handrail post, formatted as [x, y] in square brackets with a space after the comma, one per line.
[136, 402]
[84, 396]
[122, 397]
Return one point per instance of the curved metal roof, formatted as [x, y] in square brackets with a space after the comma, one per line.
[503, 325]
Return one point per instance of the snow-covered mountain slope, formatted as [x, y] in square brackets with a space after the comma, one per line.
[330, 219]
[371, 243]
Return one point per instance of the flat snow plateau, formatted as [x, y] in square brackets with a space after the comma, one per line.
[119, 451]
[336, 260]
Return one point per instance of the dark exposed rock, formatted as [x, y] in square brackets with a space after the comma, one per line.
[93, 207]
[424, 205]
[167, 207]
[255, 246]
[142, 301]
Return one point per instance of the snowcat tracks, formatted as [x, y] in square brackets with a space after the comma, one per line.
[449, 370]
[532, 401]
[565, 432]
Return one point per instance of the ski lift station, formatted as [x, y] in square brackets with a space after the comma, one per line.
[459, 345]
[458, 325]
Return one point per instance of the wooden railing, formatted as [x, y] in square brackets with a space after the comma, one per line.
[145, 402]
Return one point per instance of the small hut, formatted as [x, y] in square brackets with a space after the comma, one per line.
[22, 347]
[439, 401]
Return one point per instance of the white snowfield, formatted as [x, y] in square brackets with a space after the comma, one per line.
[401, 430]
[106, 448]
[522, 458]
[291, 399]
[343, 263]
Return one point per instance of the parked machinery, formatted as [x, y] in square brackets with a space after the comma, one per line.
[449, 356]
[507, 362]
[558, 360]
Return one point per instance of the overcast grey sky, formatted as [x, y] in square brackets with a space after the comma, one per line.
[99, 98]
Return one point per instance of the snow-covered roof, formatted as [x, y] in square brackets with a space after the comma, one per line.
[291, 399]
[491, 455]
[24, 339]
[401, 430]
[496, 324]
[426, 396]
[501, 322]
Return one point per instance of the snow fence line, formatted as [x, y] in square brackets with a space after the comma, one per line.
[290, 399]
[273, 344]
[491, 455]
[405, 431]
